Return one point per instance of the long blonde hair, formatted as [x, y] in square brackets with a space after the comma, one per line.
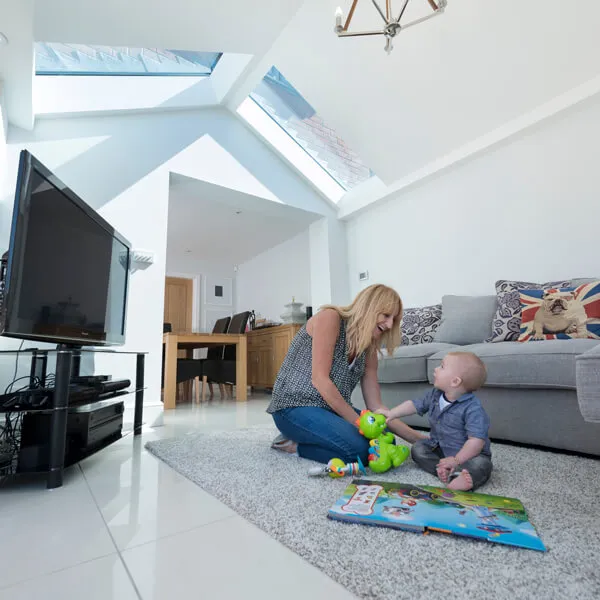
[361, 317]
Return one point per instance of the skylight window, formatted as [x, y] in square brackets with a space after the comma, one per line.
[278, 98]
[81, 59]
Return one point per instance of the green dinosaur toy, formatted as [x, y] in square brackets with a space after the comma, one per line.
[383, 454]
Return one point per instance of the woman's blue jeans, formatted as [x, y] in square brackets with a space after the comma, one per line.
[321, 434]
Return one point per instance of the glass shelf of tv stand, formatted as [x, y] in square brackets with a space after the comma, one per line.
[89, 350]
[35, 353]
[74, 408]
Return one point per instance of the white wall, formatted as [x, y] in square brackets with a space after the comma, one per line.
[268, 282]
[16, 60]
[120, 166]
[3, 122]
[526, 210]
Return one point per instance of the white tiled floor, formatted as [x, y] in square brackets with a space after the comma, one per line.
[126, 526]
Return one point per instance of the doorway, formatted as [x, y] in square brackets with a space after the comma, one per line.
[179, 300]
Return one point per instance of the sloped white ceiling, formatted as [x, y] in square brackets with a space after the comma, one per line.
[447, 81]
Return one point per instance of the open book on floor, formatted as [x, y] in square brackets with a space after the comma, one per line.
[425, 508]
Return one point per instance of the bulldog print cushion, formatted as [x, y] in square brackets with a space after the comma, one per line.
[561, 313]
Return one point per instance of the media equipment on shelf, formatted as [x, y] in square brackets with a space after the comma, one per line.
[67, 270]
[90, 379]
[89, 428]
[37, 398]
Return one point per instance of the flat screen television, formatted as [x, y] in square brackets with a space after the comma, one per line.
[67, 274]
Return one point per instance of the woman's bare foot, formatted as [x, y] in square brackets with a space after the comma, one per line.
[290, 447]
[462, 483]
[284, 445]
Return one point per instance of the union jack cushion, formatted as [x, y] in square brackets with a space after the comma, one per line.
[561, 313]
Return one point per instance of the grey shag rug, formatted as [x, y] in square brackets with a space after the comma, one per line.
[272, 490]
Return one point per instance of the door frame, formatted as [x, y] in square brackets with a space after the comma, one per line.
[195, 296]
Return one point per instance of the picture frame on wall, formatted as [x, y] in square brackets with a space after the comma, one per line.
[218, 291]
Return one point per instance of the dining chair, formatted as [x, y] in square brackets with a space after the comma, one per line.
[189, 369]
[223, 371]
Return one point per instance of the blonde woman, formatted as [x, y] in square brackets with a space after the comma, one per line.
[330, 355]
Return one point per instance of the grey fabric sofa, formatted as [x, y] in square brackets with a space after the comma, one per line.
[531, 392]
[587, 367]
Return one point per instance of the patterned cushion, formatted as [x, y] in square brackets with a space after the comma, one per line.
[418, 325]
[566, 313]
[506, 325]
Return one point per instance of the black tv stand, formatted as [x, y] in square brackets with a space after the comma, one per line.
[68, 359]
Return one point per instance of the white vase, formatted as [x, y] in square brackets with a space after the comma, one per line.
[293, 313]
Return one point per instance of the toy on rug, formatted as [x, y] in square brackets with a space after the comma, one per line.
[336, 467]
[384, 454]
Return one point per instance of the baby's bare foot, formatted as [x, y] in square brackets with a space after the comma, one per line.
[462, 483]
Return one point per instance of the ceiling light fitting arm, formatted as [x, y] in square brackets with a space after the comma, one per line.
[385, 19]
[392, 26]
[402, 11]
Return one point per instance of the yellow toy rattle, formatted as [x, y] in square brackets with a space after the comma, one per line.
[336, 467]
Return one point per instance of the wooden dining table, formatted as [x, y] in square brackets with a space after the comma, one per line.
[174, 342]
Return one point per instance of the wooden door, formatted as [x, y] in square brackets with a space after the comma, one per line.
[179, 294]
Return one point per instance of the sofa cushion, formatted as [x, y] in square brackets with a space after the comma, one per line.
[466, 319]
[419, 325]
[408, 363]
[544, 364]
[562, 313]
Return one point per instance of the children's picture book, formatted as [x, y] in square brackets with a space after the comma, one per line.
[425, 508]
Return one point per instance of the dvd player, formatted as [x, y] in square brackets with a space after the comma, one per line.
[89, 379]
[105, 387]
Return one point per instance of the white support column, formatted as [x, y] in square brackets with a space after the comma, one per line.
[328, 263]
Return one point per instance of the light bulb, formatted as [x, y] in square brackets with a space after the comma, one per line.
[338, 17]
